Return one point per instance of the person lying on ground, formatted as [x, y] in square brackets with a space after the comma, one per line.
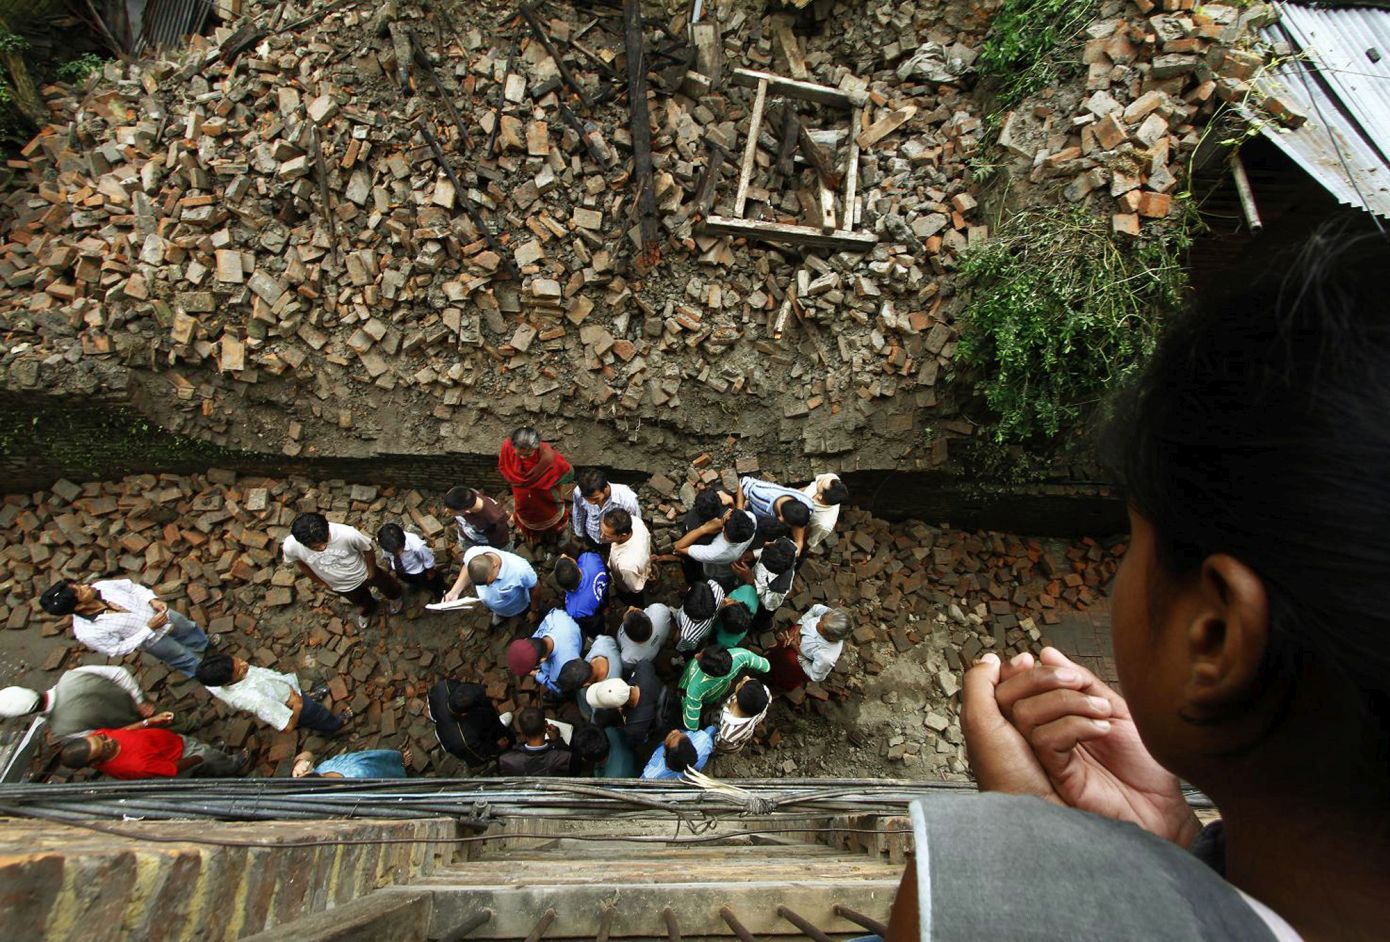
[272, 697]
[117, 616]
[83, 699]
[146, 750]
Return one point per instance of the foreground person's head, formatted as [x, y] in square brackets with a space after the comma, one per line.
[1248, 615]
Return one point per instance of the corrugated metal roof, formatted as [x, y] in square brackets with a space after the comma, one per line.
[1339, 78]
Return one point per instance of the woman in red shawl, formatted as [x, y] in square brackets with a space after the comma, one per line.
[541, 481]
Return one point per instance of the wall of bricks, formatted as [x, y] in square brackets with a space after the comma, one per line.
[44, 438]
[59, 883]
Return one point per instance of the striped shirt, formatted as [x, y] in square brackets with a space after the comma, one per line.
[699, 688]
[692, 633]
[586, 517]
[762, 496]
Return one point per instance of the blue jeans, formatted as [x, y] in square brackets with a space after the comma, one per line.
[315, 716]
[182, 645]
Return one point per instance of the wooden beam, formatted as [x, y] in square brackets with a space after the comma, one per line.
[709, 51]
[750, 151]
[534, 22]
[852, 169]
[817, 158]
[791, 51]
[840, 240]
[791, 88]
[790, 127]
[826, 205]
[640, 124]
[885, 126]
[709, 179]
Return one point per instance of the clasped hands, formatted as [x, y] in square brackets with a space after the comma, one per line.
[1048, 727]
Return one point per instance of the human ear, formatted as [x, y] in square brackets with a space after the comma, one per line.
[1227, 632]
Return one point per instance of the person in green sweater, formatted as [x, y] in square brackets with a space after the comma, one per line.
[707, 678]
[735, 617]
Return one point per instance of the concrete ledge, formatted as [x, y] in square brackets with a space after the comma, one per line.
[399, 915]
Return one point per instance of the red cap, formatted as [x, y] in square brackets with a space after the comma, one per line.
[522, 657]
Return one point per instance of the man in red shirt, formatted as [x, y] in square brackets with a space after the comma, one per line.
[145, 750]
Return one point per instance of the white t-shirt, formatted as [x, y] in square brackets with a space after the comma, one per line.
[342, 564]
[823, 516]
[631, 562]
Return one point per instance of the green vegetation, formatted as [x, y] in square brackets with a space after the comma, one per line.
[1060, 311]
[75, 72]
[1020, 52]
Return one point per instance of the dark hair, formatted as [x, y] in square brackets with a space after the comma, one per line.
[59, 598]
[608, 717]
[1259, 429]
[590, 480]
[215, 669]
[479, 568]
[835, 493]
[752, 698]
[683, 756]
[465, 697]
[460, 498]
[76, 753]
[716, 661]
[618, 520]
[770, 530]
[531, 722]
[794, 513]
[567, 575]
[391, 537]
[638, 625]
[736, 618]
[589, 743]
[708, 504]
[573, 675]
[310, 529]
[526, 437]
[699, 604]
[779, 556]
[740, 527]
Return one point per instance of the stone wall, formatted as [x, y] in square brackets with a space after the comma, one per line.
[60, 883]
[45, 437]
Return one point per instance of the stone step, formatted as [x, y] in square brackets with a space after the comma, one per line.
[638, 906]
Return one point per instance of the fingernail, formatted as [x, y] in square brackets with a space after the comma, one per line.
[1099, 703]
[1067, 677]
[989, 658]
[1102, 725]
[1018, 660]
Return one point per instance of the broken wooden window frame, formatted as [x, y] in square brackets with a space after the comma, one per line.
[842, 238]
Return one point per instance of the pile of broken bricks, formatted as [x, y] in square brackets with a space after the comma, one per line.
[209, 544]
[1157, 72]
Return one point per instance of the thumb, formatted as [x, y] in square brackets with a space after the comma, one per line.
[977, 700]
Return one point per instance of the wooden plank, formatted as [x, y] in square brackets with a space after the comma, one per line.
[791, 88]
[840, 240]
[791, 50]
[852, 168]
[709, 52]
[641, 128]
[709, 179]
[750, 150]
[827, 205]
[885, 126]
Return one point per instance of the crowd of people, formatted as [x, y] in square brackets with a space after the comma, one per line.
[658, 685]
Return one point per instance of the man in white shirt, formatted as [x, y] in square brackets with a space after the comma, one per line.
[644, 632]
[272, 697]
[771, 575]
[741, 714]
[593, 497]
[808, 650]
[342, 560]
[732, 534]
[629, 554]
[410, 558]
[827, 493]
[117, 616]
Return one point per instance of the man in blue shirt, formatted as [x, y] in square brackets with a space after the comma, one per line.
[681, 751]
[773, 503]
[585, 581]
[502, 580]
[556, 642]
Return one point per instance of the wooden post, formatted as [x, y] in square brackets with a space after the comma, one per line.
[640, 124]
[852, 170]
[751, 149]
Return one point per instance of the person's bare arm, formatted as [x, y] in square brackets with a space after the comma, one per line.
[738, 496]
[296, 705]
[370, 557]
[159, 719]
[461, 585]
[711, 526]
[799, 538]
[304, 568]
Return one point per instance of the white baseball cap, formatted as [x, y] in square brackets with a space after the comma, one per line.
[17, 701]
[608, 694]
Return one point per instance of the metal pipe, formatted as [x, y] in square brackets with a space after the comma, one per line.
[859, 919]
[1246, 194]
[736, 927]
[541, 926]
[800, 922]
[673, 930]
[468, 925]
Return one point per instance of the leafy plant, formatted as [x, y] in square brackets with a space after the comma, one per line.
[1059, 312]
[1020, 50]
[75, 71]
